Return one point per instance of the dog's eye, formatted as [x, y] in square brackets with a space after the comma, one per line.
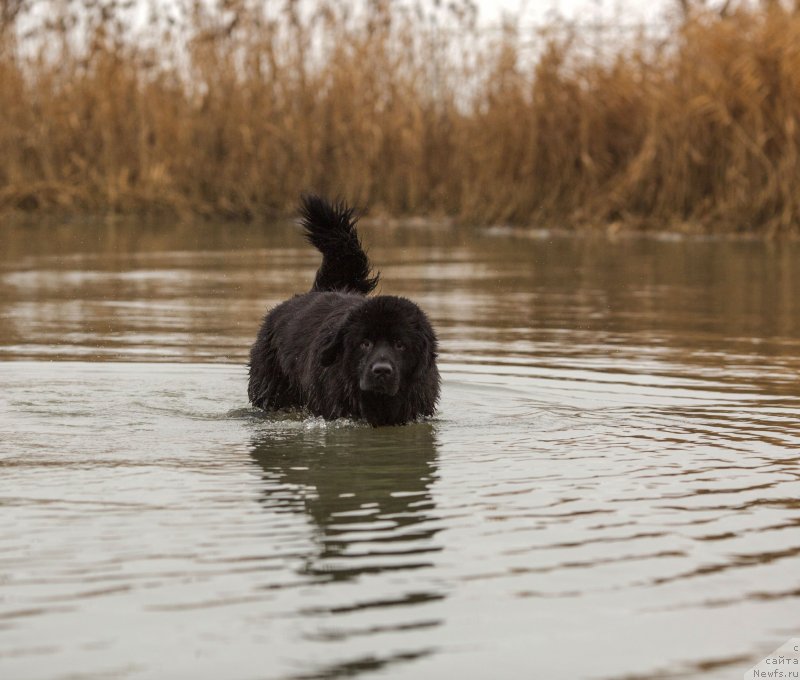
[399, 345]
[366, 344]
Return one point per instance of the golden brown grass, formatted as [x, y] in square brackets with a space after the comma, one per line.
[409, 112]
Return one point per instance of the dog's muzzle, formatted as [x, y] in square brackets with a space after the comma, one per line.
[381, 377]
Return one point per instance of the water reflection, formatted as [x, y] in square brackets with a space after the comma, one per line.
[367, 492]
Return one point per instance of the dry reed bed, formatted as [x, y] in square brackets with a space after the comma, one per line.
[410, 114]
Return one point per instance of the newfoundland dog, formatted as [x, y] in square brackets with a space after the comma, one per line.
[337, 352]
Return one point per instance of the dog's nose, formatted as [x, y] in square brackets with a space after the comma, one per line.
[382, 369]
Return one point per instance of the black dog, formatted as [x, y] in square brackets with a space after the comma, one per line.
[337, 352]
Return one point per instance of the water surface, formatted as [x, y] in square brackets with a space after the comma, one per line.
[611, 487]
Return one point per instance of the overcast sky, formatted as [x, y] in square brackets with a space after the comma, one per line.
[537, 11]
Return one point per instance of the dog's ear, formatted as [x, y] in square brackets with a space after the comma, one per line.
[333, 346]
[427, 353]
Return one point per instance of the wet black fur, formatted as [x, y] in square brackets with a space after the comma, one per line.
[323, 350]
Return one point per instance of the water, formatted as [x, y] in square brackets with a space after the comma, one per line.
[610, 489]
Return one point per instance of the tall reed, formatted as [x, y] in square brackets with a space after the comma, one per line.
[231, 111]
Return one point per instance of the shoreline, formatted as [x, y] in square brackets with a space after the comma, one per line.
[619, 229]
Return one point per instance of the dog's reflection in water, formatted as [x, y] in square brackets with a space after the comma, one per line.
[367, 491]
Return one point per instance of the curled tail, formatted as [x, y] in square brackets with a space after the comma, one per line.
[331, 229]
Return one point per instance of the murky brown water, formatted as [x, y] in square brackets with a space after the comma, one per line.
[611, 488]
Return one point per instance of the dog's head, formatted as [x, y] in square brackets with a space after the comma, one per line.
[385, 344]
